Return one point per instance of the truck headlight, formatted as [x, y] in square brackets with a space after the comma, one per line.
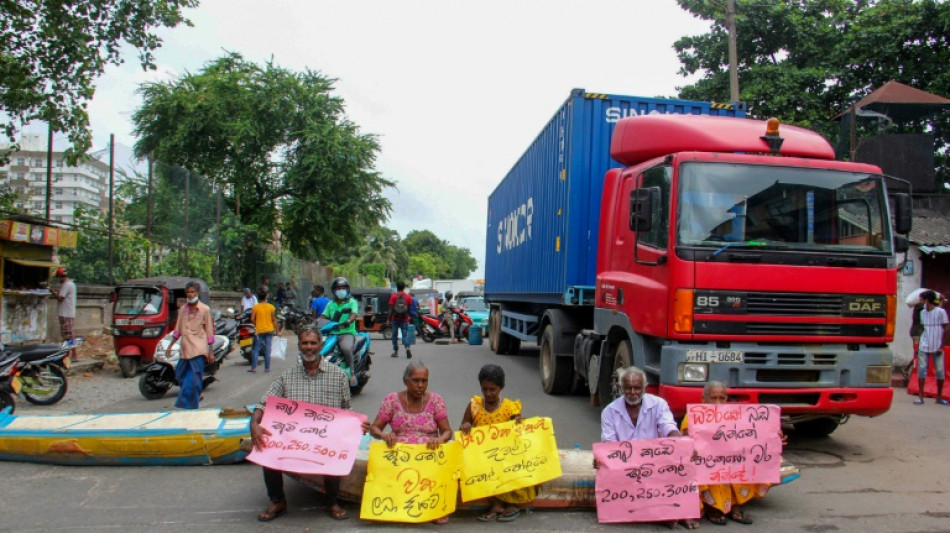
[149, 333]
[693, 372]
[878, 374]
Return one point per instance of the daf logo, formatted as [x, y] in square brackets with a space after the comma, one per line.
[865, 307]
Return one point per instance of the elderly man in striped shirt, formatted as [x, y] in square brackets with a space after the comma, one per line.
[313, 381]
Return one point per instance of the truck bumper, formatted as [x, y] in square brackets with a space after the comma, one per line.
[867, 401]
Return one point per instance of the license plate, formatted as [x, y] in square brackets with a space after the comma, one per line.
[246, 342]
[714, 356]
[127, 322]
[17, 384]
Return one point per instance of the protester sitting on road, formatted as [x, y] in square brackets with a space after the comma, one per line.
[344, 310]
[493, 409]
[936, 326]
[313, 380]
[415, 415]
[636, 415]
[720, 501]
[264, 318]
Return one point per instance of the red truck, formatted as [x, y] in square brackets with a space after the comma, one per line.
[732, 250]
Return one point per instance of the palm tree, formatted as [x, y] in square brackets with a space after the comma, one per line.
[380, 248]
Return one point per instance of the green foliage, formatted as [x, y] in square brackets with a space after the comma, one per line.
[89, 261]
[280, 143]
[808, 61]
[52, 52]
[200, 265]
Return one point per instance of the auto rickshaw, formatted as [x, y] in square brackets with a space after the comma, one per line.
[143, 312]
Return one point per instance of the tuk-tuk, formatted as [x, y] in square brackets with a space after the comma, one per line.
[144, 311]
[374, 309]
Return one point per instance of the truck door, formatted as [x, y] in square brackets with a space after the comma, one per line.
[650, 261]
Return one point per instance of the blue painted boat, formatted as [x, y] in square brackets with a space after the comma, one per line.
[179, 437]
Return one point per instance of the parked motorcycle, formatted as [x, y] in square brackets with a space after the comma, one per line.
[160, 375]
[246, 332]
[434, 327]
[37, 372]
[291, 318]
[361, 355]
[225, 324]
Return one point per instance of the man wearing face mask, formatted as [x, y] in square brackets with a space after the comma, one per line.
[636, 414]
[344, 310]
[313, 380]
[195, 330]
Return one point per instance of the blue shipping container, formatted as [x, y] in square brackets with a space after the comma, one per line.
[544, 216]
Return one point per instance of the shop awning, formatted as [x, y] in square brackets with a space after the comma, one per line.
[944, 249]
[33, 262]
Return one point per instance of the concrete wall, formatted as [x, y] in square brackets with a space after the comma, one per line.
[94, 310]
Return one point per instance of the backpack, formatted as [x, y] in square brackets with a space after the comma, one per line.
[401, 307]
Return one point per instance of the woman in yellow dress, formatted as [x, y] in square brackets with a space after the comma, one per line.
[493, 409]
[720, 501]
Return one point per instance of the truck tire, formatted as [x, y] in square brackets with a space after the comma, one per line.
[557, 373]
[621, 356]
[819, 427]
[498, 341]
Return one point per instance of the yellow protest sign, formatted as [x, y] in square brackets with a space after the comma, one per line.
[410, 482]
[500, 458]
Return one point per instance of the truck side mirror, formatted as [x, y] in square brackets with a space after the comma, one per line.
[904, 213]
[641, 209]
[901, 244]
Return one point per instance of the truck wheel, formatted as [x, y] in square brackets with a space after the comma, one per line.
[819, 427]
[557, 373]
[607, 388]
[129, 366]
[496, 340]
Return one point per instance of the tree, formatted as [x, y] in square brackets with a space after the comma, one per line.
[52, 52]
[89, 261]
[808, 61]
[280, 144]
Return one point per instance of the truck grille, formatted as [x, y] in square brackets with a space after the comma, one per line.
[787, 376]
[786, 328]
[791, 359]
[762, 303]
[790, 399]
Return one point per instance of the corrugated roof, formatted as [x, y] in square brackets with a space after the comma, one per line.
[930, 229]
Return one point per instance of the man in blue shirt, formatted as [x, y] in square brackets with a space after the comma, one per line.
[319, 302]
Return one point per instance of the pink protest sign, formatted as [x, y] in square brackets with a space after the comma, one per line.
[309, 439]
[646, 480]
[736, 443]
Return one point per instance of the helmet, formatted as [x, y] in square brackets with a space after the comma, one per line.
[448, 295]
[340, 282]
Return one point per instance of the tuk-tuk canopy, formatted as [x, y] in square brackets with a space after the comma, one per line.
[172, 283]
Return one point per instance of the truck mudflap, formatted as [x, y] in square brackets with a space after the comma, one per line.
[865, 401]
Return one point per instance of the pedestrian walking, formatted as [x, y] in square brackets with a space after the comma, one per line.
[248, 300]
[66, 310]
[319, 302]
[195, 330]
[400, 306]
[264, 317]
[934, 320]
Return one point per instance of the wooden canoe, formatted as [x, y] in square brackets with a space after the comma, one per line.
[180, 437]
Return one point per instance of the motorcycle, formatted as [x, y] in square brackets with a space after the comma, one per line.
[37, 372]
[292, 318]
[160, 375]
[361, 354]
[434, 327]
[246, 332]
[226, 325]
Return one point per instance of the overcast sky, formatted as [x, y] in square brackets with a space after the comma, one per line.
[456, 91]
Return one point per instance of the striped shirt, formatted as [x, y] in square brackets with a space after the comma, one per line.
[329, 386]
[933, 321]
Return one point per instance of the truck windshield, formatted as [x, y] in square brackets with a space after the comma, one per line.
[138, 301]
[784, 207]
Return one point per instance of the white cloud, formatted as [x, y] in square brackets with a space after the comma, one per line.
[456, 91]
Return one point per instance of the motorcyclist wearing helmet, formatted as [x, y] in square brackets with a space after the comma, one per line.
[344, 309]
[447, 304]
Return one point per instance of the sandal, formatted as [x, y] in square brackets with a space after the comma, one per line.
[339, 514]
[689, 523]
[488, 517]
[941, 401]
[272, 512]
[738, 516]
[509, 517]
[716, 517]
[918, 401]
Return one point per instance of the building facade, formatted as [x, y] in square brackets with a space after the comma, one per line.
[85, 185]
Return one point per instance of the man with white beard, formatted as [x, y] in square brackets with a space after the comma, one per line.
[636, 414]
[313, 380]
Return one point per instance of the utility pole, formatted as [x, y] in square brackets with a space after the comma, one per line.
[49, 169]
[148, 218]
[111, 188]
[217, 235]
[733, 61]
[187, 201]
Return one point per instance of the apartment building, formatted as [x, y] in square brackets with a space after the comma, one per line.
[86, 184]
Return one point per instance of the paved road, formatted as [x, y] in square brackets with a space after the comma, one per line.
[886, 474]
